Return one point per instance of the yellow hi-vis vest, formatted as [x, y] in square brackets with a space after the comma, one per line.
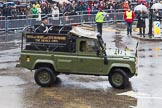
[129, 15]
[100, 17]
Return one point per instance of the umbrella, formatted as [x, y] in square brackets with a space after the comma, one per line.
[156, 6]
[139, 1]
[9, 4]
[141, 8]
[61, 1]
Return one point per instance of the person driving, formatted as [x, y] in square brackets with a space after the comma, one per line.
[83, 46]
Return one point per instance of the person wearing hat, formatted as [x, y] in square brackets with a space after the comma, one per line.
[43, 28]
[99, 20]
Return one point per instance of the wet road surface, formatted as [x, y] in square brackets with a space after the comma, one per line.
[146, 87]
[18, 89]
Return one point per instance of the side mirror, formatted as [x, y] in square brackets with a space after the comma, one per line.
[104, 44]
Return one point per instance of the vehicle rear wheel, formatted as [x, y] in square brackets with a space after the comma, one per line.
[118, 79]
[44, 77]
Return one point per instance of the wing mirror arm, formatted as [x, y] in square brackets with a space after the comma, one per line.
[105, 45]
[98, 52]
[105, 60]
[105, 56]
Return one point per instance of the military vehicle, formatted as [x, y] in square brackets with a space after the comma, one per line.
[74, 50]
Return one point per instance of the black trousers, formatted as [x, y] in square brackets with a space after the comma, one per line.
[142, 32]
[99, 27]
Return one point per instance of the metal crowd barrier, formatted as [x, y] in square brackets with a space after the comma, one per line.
[9, 25]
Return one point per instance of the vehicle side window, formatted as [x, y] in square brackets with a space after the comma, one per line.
[88, 46]
[83, 46]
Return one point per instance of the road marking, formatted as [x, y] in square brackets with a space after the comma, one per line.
[139, 95]
[157, 49]
[133, 94]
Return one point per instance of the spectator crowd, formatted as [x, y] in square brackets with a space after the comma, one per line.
[56, 9]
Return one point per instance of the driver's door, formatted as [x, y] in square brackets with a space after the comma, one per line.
[88, 60]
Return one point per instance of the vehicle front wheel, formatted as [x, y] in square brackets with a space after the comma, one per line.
[44, 77]
[118, 79]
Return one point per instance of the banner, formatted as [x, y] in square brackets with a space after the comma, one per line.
[157, 31]
[46, 38]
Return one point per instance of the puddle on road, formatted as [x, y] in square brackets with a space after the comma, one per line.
[86, 82]
[4, 46]
[11, 97]
[10, 94]
[10, 55]
[7, 65]
[10, 81]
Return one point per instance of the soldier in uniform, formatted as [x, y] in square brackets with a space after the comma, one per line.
[43, 28]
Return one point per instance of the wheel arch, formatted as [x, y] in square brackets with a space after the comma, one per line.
[125, 67]
[44, 63]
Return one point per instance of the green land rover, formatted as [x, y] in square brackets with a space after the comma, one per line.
[74, 50]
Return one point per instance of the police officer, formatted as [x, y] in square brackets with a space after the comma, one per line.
[99, 20]
[43, 28]
[129, 17]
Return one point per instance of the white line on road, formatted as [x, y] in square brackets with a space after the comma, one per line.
[139, 95]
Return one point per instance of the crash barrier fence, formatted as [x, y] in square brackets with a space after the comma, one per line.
[20, 21]
[17, 16]
[9, 26]
[14, 24]
[11, 29]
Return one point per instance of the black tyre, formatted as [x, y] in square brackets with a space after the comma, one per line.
[44, 77]
[118, 79]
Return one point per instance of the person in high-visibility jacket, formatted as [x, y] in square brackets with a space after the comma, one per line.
[100, 19]
[129, 17]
